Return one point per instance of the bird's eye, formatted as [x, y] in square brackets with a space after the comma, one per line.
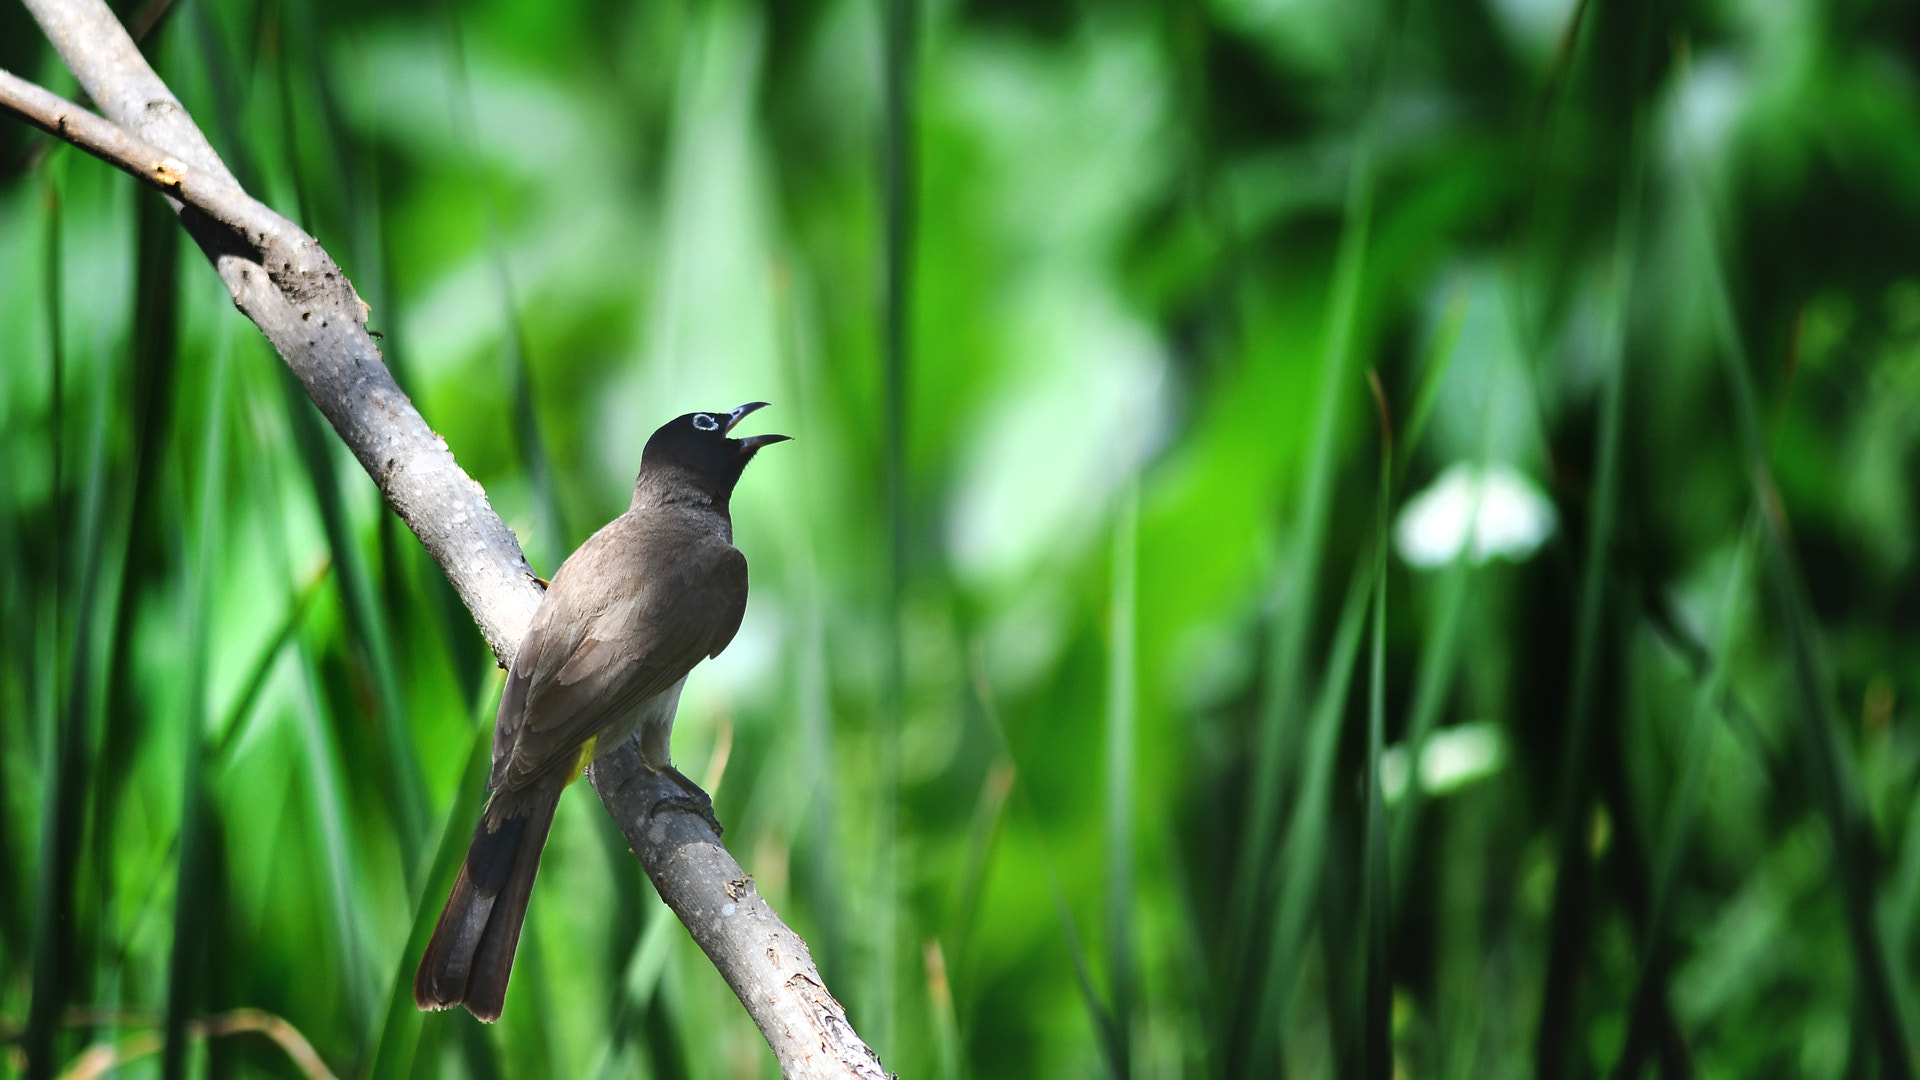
[705, 422]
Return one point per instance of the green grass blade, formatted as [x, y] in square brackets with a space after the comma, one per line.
[820, 878]
[1279, 738]
[84, 592]
[65, 773]
[400, 1030]
[353, 213]
[327, 786]
[53, 892]
[624, 922]
[186, 968]
[227, 96]
[1657, 948]
[1569, 937]
[1439, 662]
[526, 419]
[262, 667]
[658, 1023]
[983, 834]
[898, 192]
[1376, 1045]
[944, 1022]
[1903, 903]
[1301, 865]
[513, 339]
[18, 636]
[1105, 1029]
[406, 786]
[1103, 1025]
[1568, 921]
[1121, 753]
[1302, 568]
[1433, 367]
[1434, 681]
[637, 1008]
[1837, 788]
[154, 355]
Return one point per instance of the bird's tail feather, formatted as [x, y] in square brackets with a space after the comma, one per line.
[470, 954]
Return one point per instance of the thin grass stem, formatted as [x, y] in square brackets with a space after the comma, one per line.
[399, 1033]
[1121, 754]
[1300, 869]
[1836, 787]
[1376, 1045]
[186, 969]
[898, 187]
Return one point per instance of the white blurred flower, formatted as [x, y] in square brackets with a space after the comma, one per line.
[1451, 759]
[1496, 509]
[1535, 25]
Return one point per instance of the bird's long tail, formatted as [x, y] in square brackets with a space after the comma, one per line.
[471, 953]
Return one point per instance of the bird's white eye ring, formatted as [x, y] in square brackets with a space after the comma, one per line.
[704, 422]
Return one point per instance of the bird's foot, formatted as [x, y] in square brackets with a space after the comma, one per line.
[692, 799]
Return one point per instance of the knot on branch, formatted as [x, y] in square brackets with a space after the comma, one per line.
[170, 172]
[838, 1040]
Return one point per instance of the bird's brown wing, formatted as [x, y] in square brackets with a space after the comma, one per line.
[560, 626]
[730, 593]
[598, 660]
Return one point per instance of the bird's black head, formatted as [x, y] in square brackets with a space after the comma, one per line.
[696, 449]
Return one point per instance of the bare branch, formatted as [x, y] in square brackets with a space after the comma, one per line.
[108, 64]
[213, 193]
[284, 281]
[768, 965]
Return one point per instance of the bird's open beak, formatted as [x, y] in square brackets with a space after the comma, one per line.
[752, 442]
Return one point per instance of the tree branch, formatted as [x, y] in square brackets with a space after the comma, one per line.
[768, 965]
[283, 280]
[213, 194]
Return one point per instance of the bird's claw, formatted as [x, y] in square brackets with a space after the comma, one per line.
[691, 799]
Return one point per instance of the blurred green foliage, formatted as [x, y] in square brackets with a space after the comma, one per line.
[1651, 797]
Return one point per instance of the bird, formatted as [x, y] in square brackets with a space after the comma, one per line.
[625, 618]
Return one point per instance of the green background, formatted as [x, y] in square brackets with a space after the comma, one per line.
[1078, 785]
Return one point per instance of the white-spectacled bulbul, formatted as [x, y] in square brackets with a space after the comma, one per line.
[657, 590]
